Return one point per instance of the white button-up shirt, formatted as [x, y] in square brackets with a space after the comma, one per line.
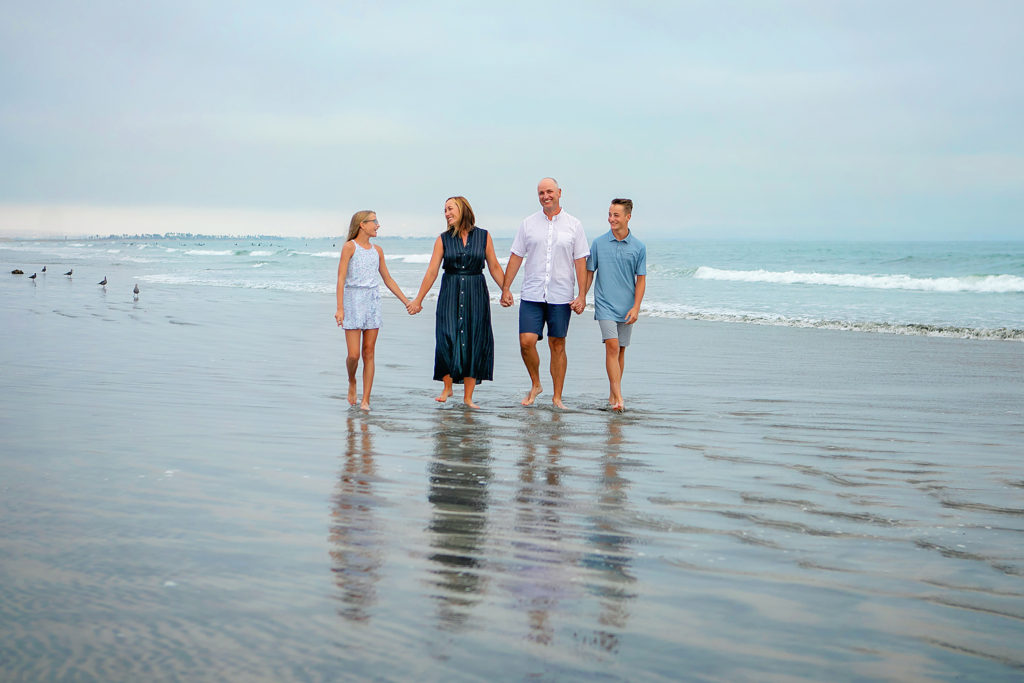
[549, 249]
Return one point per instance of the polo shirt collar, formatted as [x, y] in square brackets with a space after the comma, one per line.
[611, 237]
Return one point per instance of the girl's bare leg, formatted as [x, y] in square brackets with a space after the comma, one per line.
[369, 345]
[469, 384]
[352, 362]
[446, 391]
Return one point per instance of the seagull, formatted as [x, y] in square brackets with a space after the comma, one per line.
[69, 272]
[136, 291]
[32, 276]
[44, 269]
[103, 281]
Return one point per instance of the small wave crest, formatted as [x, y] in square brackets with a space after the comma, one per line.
[656, 310]
[410, 258]
[986, 284]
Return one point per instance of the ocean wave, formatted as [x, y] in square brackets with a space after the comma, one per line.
[656, 310]
[409, 258]
[986, 284]
[210, 252]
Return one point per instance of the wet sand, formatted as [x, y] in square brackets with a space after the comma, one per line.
[188, 496]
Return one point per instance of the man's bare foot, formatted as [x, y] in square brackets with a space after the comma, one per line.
[557, 402]
[352, 392]
[535, 391]
[445, 393]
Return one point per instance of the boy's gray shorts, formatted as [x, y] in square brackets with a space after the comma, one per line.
[612, 329]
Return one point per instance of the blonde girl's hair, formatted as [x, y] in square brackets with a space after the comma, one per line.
[357, 219]
[468, 221]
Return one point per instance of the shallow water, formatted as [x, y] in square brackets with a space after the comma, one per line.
[187, 496]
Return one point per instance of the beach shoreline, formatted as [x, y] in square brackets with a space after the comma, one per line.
[186, 489]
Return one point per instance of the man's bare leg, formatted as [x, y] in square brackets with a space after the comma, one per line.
[559, 363]
[528, 349]
[446, 391]
[622, 373]
[469, 384]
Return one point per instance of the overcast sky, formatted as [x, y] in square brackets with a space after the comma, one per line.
[816, 119]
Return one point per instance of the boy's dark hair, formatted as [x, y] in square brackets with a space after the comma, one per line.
[628, 203]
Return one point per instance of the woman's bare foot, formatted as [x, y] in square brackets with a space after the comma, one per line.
[619, 407]
[445, 393]
[352, 392]
[535, 391]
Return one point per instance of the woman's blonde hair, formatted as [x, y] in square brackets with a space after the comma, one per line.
[358, 218]
[467, 221]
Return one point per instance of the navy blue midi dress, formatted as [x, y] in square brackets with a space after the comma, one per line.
[464, 342]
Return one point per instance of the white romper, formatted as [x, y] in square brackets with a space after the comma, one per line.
[362, 293]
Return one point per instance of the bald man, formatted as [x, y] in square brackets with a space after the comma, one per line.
[552, 245]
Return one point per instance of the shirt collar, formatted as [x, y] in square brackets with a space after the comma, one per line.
[611, 237]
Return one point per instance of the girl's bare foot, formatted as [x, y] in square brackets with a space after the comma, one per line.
[351, 392]
[535, 391]
[445, 393]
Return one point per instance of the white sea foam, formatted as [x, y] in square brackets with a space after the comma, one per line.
[679, 311]
[261, 253]
[410, 258]
[987, 284]
[209, 252]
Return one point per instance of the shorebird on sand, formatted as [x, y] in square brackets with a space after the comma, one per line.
[136, 292]
[44, 269]
[103, 282]
[17, 271]
[32, 276]
[69, 272]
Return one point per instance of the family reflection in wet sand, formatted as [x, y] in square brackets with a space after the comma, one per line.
[553, 542]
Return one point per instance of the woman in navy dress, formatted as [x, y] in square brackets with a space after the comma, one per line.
[464, 342]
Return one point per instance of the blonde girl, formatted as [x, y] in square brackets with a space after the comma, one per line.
[359, 299]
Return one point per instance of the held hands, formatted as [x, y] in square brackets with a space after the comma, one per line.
[578, 304]
[413, 308]
[507, 299]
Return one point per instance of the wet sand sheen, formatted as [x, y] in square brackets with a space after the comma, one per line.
[197, 501]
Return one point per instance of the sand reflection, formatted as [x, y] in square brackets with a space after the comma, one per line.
[357, 542]
[609, 540]
[459, 473]
[540, 557]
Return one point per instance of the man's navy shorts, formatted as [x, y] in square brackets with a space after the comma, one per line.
[534, 314]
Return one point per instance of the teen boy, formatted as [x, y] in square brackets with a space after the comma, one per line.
[618, 264]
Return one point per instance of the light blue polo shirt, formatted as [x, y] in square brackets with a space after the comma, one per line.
[616, 263]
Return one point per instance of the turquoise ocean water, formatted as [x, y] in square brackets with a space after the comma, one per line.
[956, 289]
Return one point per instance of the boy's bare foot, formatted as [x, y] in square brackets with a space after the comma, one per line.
[351, 392]
[535, 391]
[445, 393]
